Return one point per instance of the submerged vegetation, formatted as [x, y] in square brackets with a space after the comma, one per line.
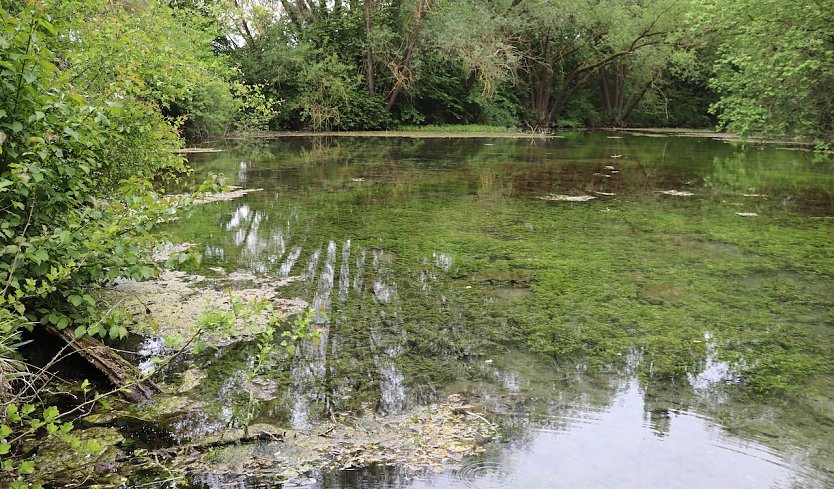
[709, 266]
[595, 279]
[420, 259]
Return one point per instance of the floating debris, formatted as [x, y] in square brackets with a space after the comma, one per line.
[677, 193]
[174, 303]
[609, 167]
[357, 179]
[747, 214]
[755, 195]
[432, 437]
[259, 280]
[232, 194]
[616, 156]
[607, 194]
[614, 137]
[566, 198]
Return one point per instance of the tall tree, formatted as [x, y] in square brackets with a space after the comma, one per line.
[401, 67]
[568, 44]
[369, 53]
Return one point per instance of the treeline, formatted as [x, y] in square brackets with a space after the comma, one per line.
[750, 67]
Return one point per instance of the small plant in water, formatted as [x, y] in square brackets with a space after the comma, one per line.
[274, 333]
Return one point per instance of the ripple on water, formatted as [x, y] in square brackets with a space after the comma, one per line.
[483, 475]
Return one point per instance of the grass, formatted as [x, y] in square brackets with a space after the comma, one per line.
[457, 128]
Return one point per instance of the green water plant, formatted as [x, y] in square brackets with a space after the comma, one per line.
[256, 321]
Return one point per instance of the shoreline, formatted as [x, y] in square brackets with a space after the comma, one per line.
[509, 134]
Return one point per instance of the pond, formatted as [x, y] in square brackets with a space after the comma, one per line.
[623, 310]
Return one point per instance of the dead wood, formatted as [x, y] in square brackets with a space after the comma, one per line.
[118, 371]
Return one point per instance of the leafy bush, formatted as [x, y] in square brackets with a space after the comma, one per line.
[74, 182]
[364, 113]
[159, 52]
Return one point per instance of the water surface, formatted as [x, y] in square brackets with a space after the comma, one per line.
[670, 318]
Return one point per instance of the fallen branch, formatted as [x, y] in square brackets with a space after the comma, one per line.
[121, 373]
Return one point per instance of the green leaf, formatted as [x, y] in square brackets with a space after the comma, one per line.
[50, 414]
[12, 413]
[27, 467]
[4, 448]
[75, 300]
[91, 446]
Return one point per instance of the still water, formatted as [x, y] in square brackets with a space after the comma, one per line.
[632, 311]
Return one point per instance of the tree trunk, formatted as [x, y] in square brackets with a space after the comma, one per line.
[399, 70]
[620, 72]
[604, 88]
[291, 12]
[636, 97]
[119, 371]
[542, 90]
[563, 96]
[369, 55]
[247, 33]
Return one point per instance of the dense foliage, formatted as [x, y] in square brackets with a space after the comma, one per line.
[63, 155]
[92, 104]
[775, 67]
[83, 134]
[519, 63]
